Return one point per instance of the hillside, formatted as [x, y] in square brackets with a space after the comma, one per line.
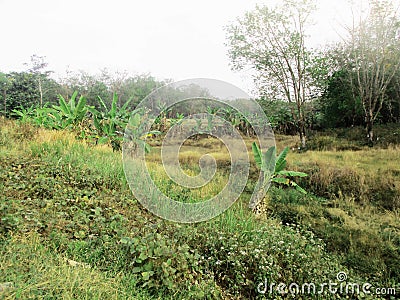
[70, 227]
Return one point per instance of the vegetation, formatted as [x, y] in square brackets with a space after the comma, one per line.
[67, 210]
[70, 227]
[272, 170]
[272, 42]
[353, 82]
[374, 58]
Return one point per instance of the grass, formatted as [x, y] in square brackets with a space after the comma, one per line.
[34, 270]
[70, 227]
[369, 176]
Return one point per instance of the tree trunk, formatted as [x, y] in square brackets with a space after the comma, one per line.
[302, 134]
[369, 123]
[5, 102]
[41, 92]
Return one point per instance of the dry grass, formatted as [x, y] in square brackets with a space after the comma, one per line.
[368, 175]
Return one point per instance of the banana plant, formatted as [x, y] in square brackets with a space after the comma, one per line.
[71, 112]
[273, 170]
[110, 122]
[178, 120]
[136, 134]
[39, 116]
[24, 114]
[211, 113]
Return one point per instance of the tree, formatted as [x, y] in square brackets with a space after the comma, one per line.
[372, 52]
[4, 83]
[37, 67]
[272, 43]
[393, 104]
[139, 87]
[21, 91]
[339, 106]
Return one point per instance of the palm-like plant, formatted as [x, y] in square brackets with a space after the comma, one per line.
[273, 170]
[135, 133]
[110, 122]
[39, 116]
[24, 114]
[70, 113]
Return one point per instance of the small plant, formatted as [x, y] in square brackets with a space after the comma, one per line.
[137, 133]
[272, 170]
[24, 114]
[110, 122]
[158, 262]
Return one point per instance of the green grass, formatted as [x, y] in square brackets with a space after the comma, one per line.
[70, 227]
[33, 270]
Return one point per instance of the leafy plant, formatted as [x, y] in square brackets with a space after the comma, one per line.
[71, 112]
[159, 262]
[178, 120]
[23, 113]
[273, 170]
[136, 134]
[40, 116]
[110, 122]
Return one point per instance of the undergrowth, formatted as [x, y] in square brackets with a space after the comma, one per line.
[70, 228]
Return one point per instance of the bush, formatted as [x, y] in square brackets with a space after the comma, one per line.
[241, 260]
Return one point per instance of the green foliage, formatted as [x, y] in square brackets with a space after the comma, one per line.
[270, 40]
[71, 112]
[245, 257]
[21, 90]
[273, 167]
[24, 114]
[136, 133]
[66, 212]
[110, 122]
[257, 154]
[339, 106]
[361, 243]
[281, 160]
[279, 115]
[160, 262]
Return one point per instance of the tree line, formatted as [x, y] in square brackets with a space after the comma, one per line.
[36, 87]
[355, 81]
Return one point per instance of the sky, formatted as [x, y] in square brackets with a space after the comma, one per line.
[169, 39]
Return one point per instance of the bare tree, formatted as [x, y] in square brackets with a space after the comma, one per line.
[373, 55]
[37, 67]
[272, 42]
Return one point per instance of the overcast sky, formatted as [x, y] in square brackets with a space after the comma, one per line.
[176, 39]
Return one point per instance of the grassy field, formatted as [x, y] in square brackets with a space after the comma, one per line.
[71, 229]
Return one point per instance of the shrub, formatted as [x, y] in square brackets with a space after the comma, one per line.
[242, 259]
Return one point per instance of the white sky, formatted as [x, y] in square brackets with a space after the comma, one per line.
[174, 39]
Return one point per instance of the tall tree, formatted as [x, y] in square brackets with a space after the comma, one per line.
[4, 83]
[38, 66]
[272, 42]
[372, 53]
